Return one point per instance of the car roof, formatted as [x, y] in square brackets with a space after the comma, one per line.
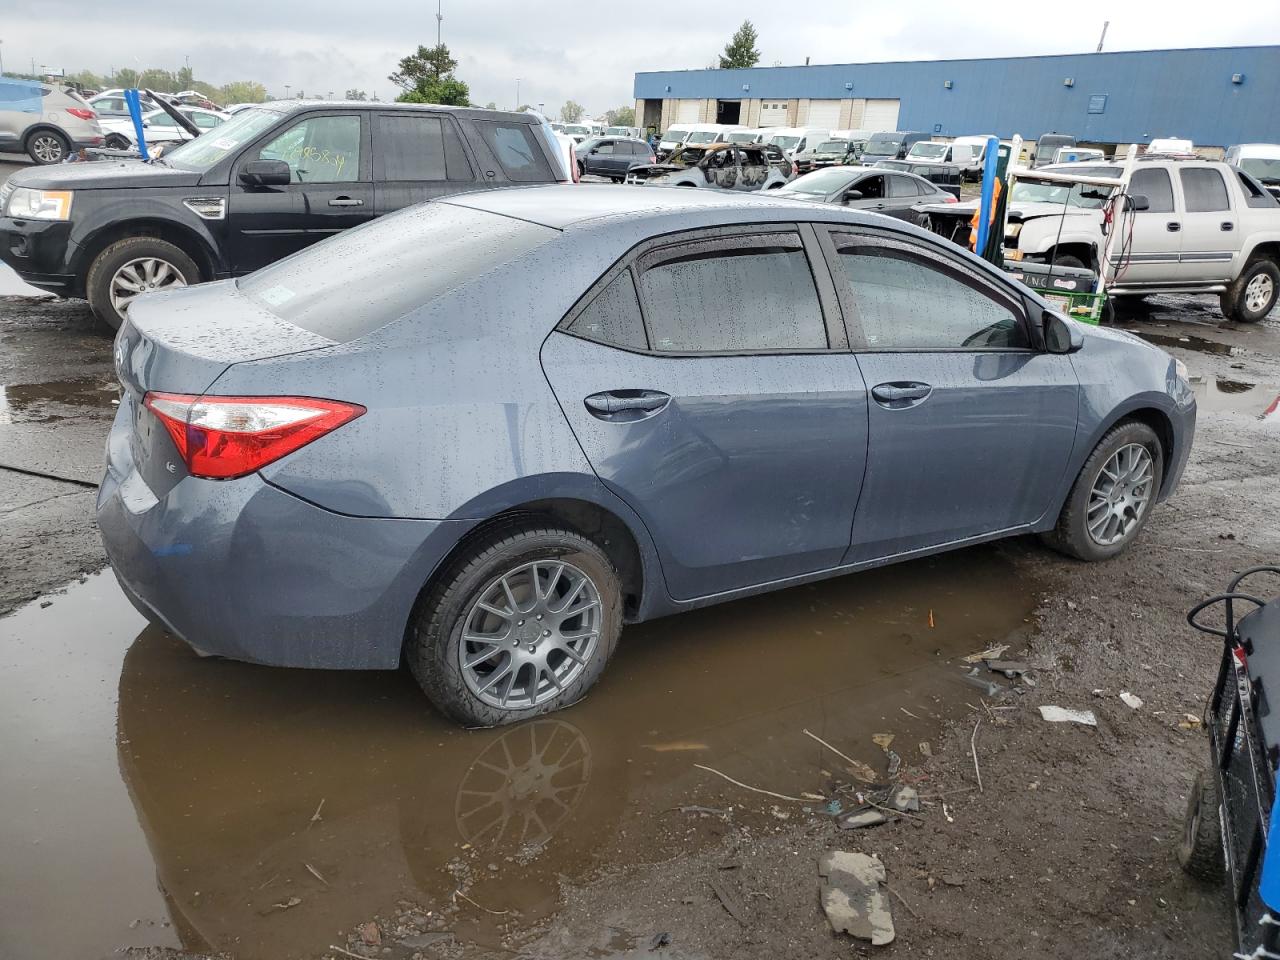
[562, 206]
[288, 107]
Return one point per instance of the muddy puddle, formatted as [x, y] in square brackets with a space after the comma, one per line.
[1225, 395]
[152, 797]
[57, 399]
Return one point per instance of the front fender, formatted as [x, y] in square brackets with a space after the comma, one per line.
[128, 214]
[1040, 235]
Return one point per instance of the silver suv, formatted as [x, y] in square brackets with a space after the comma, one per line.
[43, 121]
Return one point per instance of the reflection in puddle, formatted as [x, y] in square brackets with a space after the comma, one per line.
[1221, 394]
[1198, 344]
[47, 402]
[280, 807]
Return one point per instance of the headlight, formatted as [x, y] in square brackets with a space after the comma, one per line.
[28, 204]
[1180, 369]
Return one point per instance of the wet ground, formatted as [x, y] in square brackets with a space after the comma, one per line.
[156, 800]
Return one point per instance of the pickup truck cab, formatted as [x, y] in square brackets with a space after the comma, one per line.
[266, 183]
[1205, 227]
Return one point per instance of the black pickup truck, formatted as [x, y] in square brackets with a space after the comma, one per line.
[266, 183]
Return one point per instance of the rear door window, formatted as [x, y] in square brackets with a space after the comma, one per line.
[516, 150]
[613, 317]
[1204, 190]
[419, 147]
[903, 187]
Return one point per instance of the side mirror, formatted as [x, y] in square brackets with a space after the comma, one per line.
[852, 194]
[1139, 202]
[593, 150]
[1060, 334]
[265, 173]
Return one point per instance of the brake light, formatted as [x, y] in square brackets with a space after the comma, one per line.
[82, 113]
[951, 198]
[221, 438]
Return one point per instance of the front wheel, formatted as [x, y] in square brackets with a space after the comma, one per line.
[131, 267]
[521, 625]
[1200, 850]
[116, 141]
[1113, 495]
[1253, 294]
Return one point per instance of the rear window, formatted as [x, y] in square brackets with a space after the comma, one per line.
[352, 284]
[517, 150]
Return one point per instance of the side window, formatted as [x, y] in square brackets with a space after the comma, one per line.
[613, 317]
[1204, 190]
[908, 301]
[872, 188]
[516, 150]
[738, 294]
[1154, 184]
[605, 147]
[206, 121]
[319, 150]
[903, 187]
[411, 147]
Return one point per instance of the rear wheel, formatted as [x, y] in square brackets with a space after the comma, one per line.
[1113, 495]
[47, 146]
[1200, 850]
[1252, 295]
[521, 625]
[131, 267]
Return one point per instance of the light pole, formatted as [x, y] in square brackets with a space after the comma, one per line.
[1, 56]
[286, 91]
[439, 22]
[517, 106]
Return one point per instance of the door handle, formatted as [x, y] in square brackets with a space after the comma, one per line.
[901, 394]
[1227, 225]
[346, 202]
[1173, 226]
[626, 404]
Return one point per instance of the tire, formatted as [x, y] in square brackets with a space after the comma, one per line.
[47, 147]
[1252, 295]
[134, 250]
[1066, 260]
[435, 648]
[1072, 535]
[1200, 849]
[617, 179]
[116, 141]
[582, 169]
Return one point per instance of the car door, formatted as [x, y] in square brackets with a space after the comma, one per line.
[1209, 230]
[727, 411]
[874, 189]
[904, 194]
[1153, 255]
[969, 426]
[329, 190]
[418, 156]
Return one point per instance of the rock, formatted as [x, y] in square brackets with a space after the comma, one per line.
[1010, 668]
[862, 817]
[1130, 700]
[853, 897]
[660, 940]
[371, 934]
[1063, 715]
[905, 798]
[951, 880]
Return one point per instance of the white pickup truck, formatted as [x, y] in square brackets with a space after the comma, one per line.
[1206, 227]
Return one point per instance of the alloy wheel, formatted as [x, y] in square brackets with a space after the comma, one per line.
[1120, 495]
[142, 276]
[47, 148]
[530, 634]
[1258, 293]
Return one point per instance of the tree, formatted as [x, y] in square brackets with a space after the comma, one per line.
[571, 112]
[125, 78]
[427, 77]
[242, 91]
[741, 51]
[159, 80]
[354, 94]
[185, 79]
[621, 117]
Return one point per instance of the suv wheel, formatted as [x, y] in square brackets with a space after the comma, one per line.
[1200, 850]
[521, 625]
[1254, 292]
[47, 146]
[131, 267]
[1113, 495]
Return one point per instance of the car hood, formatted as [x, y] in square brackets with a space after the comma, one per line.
[104, 175]
[651, 170]
[1033, 211]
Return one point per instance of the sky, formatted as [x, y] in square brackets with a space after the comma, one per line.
[569, 50]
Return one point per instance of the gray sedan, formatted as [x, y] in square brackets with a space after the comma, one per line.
[878, 191]
[482, 433]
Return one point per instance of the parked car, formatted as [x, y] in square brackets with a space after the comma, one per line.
[1048, 145]
[969, 153]
[728, 166]
[929, 151]
[704, 134]
[796, 142]
[875, 191]
[1259, 160]
[747, 136]
[1206, 228]
[617, 404]
[44, 122]
[273, 180]
[830, 153]
[1077, 155]
[631, 133]
[890, 145]
[672, 140]
[158, 127]
[579, 131]
[945, 176]
[612, 157]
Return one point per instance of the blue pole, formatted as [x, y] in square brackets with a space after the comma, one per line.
[135, 111]
[992, 159]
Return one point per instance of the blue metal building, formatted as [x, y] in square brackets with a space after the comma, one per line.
[1213, 96]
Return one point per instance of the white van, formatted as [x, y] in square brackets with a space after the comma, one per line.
[1260, 160]
[1171, 145]
[794, 141]
[691, 133]
[970, 153]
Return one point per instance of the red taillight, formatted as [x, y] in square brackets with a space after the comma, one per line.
[81, 113]
[653, 158]
[221, 438]
[951, 198]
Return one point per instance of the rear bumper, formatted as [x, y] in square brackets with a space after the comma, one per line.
[40, 253]
[245, 570]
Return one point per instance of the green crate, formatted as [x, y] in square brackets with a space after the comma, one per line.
[1085, 307]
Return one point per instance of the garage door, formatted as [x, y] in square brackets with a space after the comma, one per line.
[773, 113]
[881, 115]
[824, 114]
[687, 111]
